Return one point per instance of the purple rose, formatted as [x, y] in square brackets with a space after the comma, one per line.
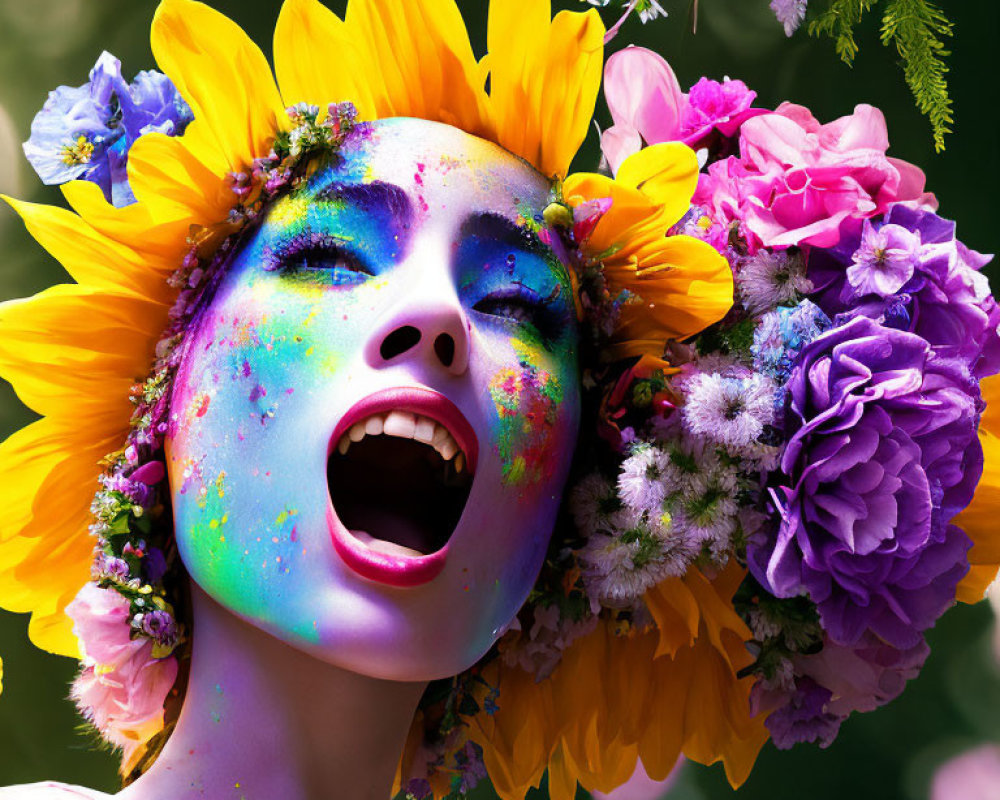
[936, 290]
[882, 452]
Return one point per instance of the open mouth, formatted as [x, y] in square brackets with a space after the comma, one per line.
[399, 475]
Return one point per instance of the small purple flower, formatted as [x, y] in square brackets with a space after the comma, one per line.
[71, 134]
[882, 452]
[113, 568]
[159, 626]
[804, 717]
[780, 337]
[155, 565]
[153, 104]
[947, 300]
[731, 411]
[884, 261]
[419, 789]
[790, 13]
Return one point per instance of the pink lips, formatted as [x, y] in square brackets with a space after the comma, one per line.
[399, 570]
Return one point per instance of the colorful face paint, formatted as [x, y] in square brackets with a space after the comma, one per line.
[403, 279]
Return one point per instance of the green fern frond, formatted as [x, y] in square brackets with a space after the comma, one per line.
[917, 28]
[838, 22]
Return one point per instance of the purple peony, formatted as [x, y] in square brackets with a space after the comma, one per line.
[882, 452]
[910, 272]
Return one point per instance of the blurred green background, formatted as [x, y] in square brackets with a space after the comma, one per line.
[891, 754]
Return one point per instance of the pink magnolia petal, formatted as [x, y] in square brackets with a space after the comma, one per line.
[800, 115]
[643, 93]
[619, 142]
[912, 180]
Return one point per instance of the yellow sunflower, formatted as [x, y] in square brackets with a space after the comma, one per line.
[73, 351]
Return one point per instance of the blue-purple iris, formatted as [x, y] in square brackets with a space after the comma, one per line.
[86, 132]
[882, 452]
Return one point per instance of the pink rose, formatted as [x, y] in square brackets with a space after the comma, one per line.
[121, 688]
[803, 181]
[648, 106]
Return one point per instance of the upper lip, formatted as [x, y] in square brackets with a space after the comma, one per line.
[417, 400]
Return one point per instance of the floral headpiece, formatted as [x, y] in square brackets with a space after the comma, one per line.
[731, 571]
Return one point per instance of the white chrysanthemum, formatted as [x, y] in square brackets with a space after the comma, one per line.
[641, 479]
[730, 411]
[767, 280]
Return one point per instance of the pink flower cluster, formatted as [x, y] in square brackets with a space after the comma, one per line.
[648, 106]
[122, 687]
[795, 181]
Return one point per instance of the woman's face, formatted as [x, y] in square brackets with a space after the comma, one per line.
[401, 308]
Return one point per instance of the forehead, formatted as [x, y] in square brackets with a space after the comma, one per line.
[445, 172]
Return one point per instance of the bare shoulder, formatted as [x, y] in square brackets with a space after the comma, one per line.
[50, 790]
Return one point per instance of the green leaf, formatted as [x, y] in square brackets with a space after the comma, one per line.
[838, 22]
[917, 29]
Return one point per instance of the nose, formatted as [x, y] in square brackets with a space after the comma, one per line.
[432, 330]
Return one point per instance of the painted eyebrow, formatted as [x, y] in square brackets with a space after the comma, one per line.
[373, 196]
[491, 225]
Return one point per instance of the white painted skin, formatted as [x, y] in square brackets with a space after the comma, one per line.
[305, 676]
[257, 406]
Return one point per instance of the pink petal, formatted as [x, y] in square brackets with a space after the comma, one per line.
[643, 93]
[619, 142]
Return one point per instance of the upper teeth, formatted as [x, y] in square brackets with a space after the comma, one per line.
[405, 425]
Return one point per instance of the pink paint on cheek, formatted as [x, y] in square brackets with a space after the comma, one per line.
[527, 401]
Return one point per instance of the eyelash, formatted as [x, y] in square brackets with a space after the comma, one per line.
[524, 305]
[320, 253]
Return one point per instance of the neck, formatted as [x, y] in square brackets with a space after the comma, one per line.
[264, 720]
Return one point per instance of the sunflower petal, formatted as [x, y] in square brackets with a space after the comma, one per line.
[222, 75]
[979, 519]
[316, 59]
[420, 62]
[74, 348]
[544, 78]
[89, 257]
[665, 173]
[47, 479]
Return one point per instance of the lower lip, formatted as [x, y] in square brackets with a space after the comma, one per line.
[392, 570]
[399, 570]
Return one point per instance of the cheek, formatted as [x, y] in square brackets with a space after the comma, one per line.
[245, 450]
[535, 401]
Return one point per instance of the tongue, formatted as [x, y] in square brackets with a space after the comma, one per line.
[382, 546]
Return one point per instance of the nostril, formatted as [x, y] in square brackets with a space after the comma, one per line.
[444, 346]
[398, 342]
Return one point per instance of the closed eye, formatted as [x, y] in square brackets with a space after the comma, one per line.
[524, 306]
[324, 258]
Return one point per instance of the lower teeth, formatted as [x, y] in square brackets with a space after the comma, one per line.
[382, 546]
